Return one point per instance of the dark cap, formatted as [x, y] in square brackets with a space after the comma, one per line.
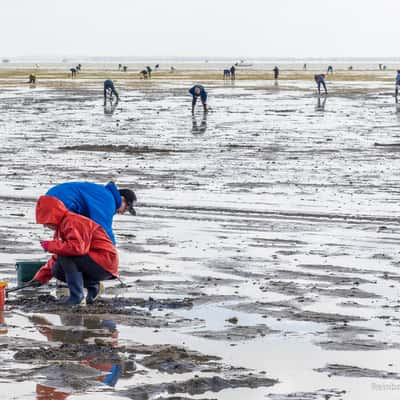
[130, 198]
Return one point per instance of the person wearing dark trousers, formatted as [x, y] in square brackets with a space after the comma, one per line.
[397, 86]
[233, 73]
[82, 252]
[92, 274]
[320, 81]
[109, 89]
[276, 72]
[198, 91]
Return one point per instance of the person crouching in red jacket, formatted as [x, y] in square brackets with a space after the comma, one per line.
[83, 254]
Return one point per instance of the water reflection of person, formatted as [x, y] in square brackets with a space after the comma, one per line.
[44, 392]
[196, 129]
[397, 86]
[110, 110]
[321, 105]
[110, 371]
[3, 325]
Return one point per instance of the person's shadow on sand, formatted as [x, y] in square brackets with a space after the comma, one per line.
[199, 129]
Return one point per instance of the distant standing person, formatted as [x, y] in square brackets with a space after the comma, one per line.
[305, 67]
[233, 73]
[276, 72]
[149, 70]
[397, 85]
[198, 91]
[330, 69]
[320, 80]
[109, 89]
[73, 72]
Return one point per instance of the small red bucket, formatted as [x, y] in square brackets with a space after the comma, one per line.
[3, 286]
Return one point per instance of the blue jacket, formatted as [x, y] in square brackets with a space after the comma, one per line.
[97, 202]
[108, 84]
[203, 93]
[398, 78]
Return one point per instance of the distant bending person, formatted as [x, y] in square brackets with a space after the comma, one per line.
[32, 79]
[397, 85]
[198, 91]
[109, 90]
[320, 80]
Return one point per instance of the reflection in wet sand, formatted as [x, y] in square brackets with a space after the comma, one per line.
[199, 128]
[109, 108]
[321, 104]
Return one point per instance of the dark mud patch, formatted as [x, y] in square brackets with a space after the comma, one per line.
[357, 345]
[118, 309]
[336, 268]
[349, 331]
[70, 376]
[73, 352]
[330, 277]
[354, 338]
[286, 310]
[293, 288]
[173, 360]
[199, 385]
[116, 305]
[126, 149]
[236, 333]
[356, 372]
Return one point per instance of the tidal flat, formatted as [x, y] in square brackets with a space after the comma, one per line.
[263, 260]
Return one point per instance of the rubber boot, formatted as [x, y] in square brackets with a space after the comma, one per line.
[75, 285]
[93, 291]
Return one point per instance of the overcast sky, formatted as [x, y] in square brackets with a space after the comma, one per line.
[268, 28]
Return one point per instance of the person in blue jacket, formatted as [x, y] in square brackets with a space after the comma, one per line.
[320, 80]
[109, 88]
[397, 85]
[198, 91]
[97, 202]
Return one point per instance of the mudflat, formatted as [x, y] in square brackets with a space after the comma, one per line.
[263, 259]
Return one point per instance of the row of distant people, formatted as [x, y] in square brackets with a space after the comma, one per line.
[329, 70]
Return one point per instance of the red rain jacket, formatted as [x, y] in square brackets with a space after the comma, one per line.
[76, 235]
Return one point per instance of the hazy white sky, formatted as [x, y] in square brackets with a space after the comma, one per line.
[268, 28]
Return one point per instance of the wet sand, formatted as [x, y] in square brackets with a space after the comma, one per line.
[262, 262]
